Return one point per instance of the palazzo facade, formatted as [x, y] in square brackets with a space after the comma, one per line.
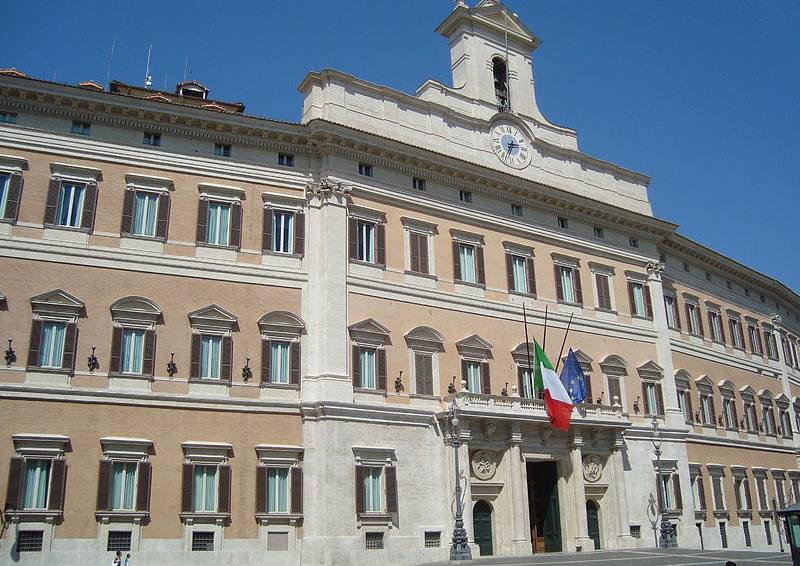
[235, 340]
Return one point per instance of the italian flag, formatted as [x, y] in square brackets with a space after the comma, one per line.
[556, 399]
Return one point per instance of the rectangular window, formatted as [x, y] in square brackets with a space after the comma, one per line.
[278, 490]
[736, 333]
[5, 181]
[418, 184]
[599, 232]
[119, 540]
[30, 541]
[603, 284]
[81, 128]
[205, 489]
[202, 541]
[633, 242]
[780, 493]
[651, 404]
[474, 377]
[366, 241]
[433, 539]
[218, 228]
[563, 223]
[694, 318]
[768, 532]
[366, 362]
[638, 303]
[772, 345]
[715, 322]
[372, 490]
[286, 159]
[520, 274]
[222, 149]
[567, 278]
[418, 244]
[283, 232]
[527, 383]
[719, 500]
[145, 213]
[750, 416]
[8, 117]
[123, 486]
[36, 484]
[279, 364]
[729, 410]
[723, 535]
[365, 169]
[672, 311]
[210, 348]
[636, 531]
[51, 350]
[373, 541]
[466, 258]
[151, 138]
[70, 205]
[465, 196]
[707, 409]
[516, 210]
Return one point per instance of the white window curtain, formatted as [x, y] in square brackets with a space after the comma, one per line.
[694, 321]
[566, 284]
[278, 490]
[669, 303]
[210, 357]
[716, 325]
[205, 488]
[132, 351]
[218, 223]
[520, 275]
[666, 485]
[145, 214]
[279, 365]
[36, 484]
[372, 490]
[638, 300]
[474, 377]
[467, 260]
[705, 401]
[366, 241]
[652, 403]
[527, 383]
[70, 205]
[123, 486]
[366, 358]
[4, 182]
[52, 346]
[282, 232]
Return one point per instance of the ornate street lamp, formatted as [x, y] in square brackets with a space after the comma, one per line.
[459, 549]
[666, 536]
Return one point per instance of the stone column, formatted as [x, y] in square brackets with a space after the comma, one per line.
[579, 494]
[624, 538]
[521, 543]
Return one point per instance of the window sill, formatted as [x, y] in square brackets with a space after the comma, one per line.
[373, 264]
[425, 396]
[292, 386]
[68, 228]
[209, 381]
[136, 517]
[131, 376]
[273, 253]
[418, 274]
[374, 519]
[721, 514]
[157, 239]
[33, 515]
[217, 247]
[744, 513]
[381, 392]
[8, 220]
[642, 317]
[673, 513]
[40, 369]
[279, 518]
[192, 517]
[570, 303]
[766, 513]
[469, 284]
[700, 515]
[608, 311]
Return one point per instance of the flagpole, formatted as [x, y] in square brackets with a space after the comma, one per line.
[558, 361]
[544, 338]
[527, 341]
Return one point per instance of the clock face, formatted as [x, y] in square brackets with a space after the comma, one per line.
[510, 145]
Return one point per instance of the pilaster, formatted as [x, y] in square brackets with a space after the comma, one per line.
[624, 538]
[582, 539]
[521, 543]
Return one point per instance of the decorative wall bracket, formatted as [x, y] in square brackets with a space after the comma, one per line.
[247, 373]
[11, 355]
[172, 368]
[91, 362]
[398, 383]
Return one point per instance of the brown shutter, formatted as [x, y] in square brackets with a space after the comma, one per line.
[747, 498]
[735, 423]
[35, 343]
[603, 298]
[149, 358]
[127, 212]
[391, 489]
[16, 471]
[58, 485]
[236, 226]
[104, 485]
[187, 487]
[614, 390]
[648, 410]
[423, 253]
[266, 230]
[464, 376]
[688, 318]
[70, 346]
[294, 363]
[713, 410]
[419, 370]
[224, 504]
[521, 381]
[733, 332]
[429, 375]
[700, 322]
[687, 399]
[297, 491]
[589, 397]
[299, 233]
[660, 491]
[89, 207]
[352, 236]
[381, 355]
[227, 358]
[356, 367]
[116, 349]
[202, 222]
[14, 197]
[380, 243]
[659, 399]
[648, 302]
[531, 275]
[578, 288]
[737, 495]
[631, 300]
[701, 492]
[677, 313]
[486, 382]
[676, 488]
[481, 266]
[52, 201]
[510, 272]
[456, 262]
[194, 371]
[559, 285]
[143, 486]
[359, 489]
[721, 329]
[266, 361]
[162, 222]
[261, 489]
[413, 244]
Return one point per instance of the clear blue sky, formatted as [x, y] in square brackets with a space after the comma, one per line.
[703, 96]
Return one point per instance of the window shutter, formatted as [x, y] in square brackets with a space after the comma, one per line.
[359, 489]
[423, 253]
[187, 487]
[463, 375]
[70, 346]
[429, 375]
[224, 504]
[559, 285]
[413, 244]
[631, 300]
[701, 492]
[381, 355]
[162, 224]
[688, 318]
[676, 489]
[380, 243]
[713, 410]
[737, 495]
[576, 275]
[127, 212]
[521, 381]
[614, 389]
[391, 489]
[531, 275]
[735, 423]
[659, 399]
[648, 410]
[194, 371]
[588, 380]
[688, 401]
[648, 302]
[143, 486]
[51, 204]
[116, 349]
[261, 489]
[104, 485]
[700, 328]
[297, 491]
[352, 235]
[266, 230]
[733, 332]
[149, 358]
[89, 207]
[35, 343]
[356, 367]
[202, 222]
[481, 267]
[722, 331]
[510, 272]
[677, 312]
[299, 233]
[14, 489]
[660, 491]
[58, 485]
[456, 262]
[14, 197]
[419, 370]
[236, 226]
[486, 382]
[294, 364]
[227, 358]
[748, 500]
[603, 298]
[266, 360]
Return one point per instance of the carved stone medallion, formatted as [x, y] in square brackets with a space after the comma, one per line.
[484, 464]
[592, 467]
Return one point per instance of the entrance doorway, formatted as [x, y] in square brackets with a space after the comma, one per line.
[593, 522]
[543, 506]
[482, 527]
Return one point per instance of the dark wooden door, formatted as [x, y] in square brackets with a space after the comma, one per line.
[593, 522]
[543, 506]
[482, 527]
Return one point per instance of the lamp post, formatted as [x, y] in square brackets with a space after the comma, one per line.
[666, 536]
[459, 549]
[778, 522]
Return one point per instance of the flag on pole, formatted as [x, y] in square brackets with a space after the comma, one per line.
[557, 401]
[573, 379]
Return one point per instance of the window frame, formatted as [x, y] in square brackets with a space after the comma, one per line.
[154, 137]
[222, 149]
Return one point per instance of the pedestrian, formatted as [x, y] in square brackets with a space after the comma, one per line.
[117, 559]
[128, 559]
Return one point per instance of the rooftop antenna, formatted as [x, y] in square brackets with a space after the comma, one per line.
[111, 60]
[148, 78]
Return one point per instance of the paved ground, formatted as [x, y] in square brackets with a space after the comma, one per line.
[642, 557]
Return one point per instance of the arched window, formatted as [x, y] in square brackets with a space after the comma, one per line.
[424, 345]
[615, 369]
[500, 73]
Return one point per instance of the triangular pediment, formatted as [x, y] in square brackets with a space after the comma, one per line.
[369, 326]
[782, 399]
[496, 13]
[473, 342]
[213, 313]
[583, 357]
[651, 370]
[704, 381]
[747, 390]
[57, 297]
[726, 384]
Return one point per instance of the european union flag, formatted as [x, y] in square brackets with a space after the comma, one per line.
[573, 379]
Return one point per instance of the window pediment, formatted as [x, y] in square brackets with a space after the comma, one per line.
[566, 261]
[704, 383]
[213, 318]
[584, 360]
[279, 454]
[425, 338]
[474, 346]
[80, 173]
[518, 249]
[419, 225]
[369, 331]
[782, 400]
[13, 164]
[650, 370]
[136, 311]
[121, 447]
[367, 214]
[765, 395]
[726, 386]
[466, 237]
[614, 365]
[682, 378]
[521, 354]
[57, 303]
[367, 455]
[148, 182]
[32, 444]
[281, 324]
[211, 452]
[212, 191]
